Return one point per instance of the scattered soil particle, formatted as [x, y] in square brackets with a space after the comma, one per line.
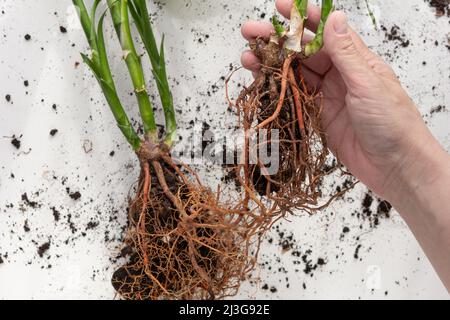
[265, 287]
[92, 225]
[273, 289]
[438, 109]
[56, 214]
[394, 34]
[73, 195]
[346, 230]
[62, 29]
[26, 83]
[384, 208]
[367, 202]
[1, 259]
[53, 132]
[27, 37]
[26, 227]
[442, 7]
[112, 153]
[8, 98]
[356, 254]
[71, 224]
[28, 202]
[43, 249]
[16, 142]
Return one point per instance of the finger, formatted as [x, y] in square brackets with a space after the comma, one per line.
[374, 60]
[314, 13]
[320, 63]
[250, 61]
[254, 29]
[350, 62]
[312, 79]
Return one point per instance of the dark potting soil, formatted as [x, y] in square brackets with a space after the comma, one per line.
[73, 195]
[442, 7]
[396, 35]
[15, 141]
[28, 202]
[42, 249]
[56, 214]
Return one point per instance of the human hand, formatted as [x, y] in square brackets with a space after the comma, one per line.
[372, 125]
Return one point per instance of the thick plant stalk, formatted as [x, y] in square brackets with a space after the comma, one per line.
[139, 11]
[297, 26]
[294, 36]
[119, 13]
[317, 43]
[99, 65]
[302, 8]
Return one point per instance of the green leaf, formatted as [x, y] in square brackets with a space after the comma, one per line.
[141, 17]
[120, 115]
[317, 43]
[103, 57]
[302, 7]
[136, 16]
[91, 64]
[100, 68]
[278, 25]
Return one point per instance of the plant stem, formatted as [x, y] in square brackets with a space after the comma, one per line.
[302, 7]
[371, 15]
[119, 13]
[317, 43]
[85, 19]
[99, 65]
[139, 11]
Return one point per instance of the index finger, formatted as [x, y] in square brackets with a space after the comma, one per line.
[314, 13]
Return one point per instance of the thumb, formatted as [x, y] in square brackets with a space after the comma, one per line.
[339, 45]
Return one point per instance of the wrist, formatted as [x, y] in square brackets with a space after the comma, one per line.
[423, 166]
[421, 197]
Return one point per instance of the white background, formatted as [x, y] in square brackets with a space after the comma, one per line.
[390, 263]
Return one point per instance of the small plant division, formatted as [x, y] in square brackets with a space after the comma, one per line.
[279, 101]
[182, 243]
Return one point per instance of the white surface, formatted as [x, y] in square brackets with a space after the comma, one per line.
[392, 265]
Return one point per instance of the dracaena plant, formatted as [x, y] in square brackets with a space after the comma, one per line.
[182, 242]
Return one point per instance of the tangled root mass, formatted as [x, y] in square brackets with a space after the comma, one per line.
[280, 100]
[182, 244]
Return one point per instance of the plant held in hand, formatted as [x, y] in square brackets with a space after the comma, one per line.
[280, 101]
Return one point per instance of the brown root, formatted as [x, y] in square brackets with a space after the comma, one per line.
[279, 100]
[182, 244]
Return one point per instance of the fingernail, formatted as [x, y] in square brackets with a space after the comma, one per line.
[340, 23]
